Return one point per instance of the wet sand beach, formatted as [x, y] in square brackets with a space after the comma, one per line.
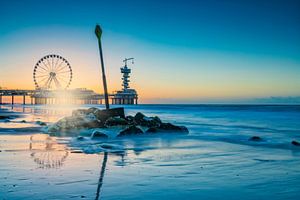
[216, 160]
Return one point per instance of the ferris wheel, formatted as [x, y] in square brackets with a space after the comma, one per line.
[52, 72]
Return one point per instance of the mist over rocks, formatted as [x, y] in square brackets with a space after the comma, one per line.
[104, 119]
[76, 122]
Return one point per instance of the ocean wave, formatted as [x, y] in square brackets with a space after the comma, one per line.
[229, 126]
[245, 140]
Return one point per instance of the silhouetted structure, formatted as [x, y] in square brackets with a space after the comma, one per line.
[126, 95]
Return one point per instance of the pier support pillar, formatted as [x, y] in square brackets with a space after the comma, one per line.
[24, 99]
[0, 99]
[12, 99]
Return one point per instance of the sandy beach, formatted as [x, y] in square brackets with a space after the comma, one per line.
[215, 160]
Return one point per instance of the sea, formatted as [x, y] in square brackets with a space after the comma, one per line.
[216, 160]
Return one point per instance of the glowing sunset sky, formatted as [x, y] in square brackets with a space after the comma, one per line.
[187, 51]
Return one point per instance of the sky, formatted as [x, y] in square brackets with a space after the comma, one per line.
[185, 51]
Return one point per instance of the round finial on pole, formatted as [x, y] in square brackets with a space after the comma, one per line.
[98, 31]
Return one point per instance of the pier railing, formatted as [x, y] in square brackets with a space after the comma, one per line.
[76, 96]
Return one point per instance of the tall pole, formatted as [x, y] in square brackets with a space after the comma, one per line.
[98, 32]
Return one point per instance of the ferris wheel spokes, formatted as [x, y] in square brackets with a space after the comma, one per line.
[52, 72]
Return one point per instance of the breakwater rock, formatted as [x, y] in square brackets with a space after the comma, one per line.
[92, 118]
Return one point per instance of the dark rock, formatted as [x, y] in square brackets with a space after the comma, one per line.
[68, 123]
[255, 138]
[172, 128]
[103, 115]
[79, 112]
[167, 127]
[87, 118]
[152, 130]
[41, 123]
[116, 121]
[98, 134]
[130, 120]
[157, 119]
[76, 151]
[93, 124]
[54, 128]
[151, 122]
[80, 138]
[142, 120]
[92, 110]
[95, 118]
[4, 117]
[130, 131]
[139, 117]
[23, 121]
[76, 122]
[296, 143]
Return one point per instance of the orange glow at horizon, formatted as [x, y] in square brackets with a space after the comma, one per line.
[194, 74]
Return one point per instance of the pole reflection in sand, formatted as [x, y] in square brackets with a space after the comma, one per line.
[100, 181]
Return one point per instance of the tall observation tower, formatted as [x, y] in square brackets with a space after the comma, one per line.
[126, 95]
[126, 71]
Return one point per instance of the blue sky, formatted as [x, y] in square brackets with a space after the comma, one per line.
[187, 51]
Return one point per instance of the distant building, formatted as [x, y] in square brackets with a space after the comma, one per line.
[126, 95]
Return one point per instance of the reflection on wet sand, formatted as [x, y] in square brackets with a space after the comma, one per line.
[100, 181]
[46, 152]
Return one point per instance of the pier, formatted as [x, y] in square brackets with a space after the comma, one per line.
[52, 75]
[13, 93]
[74, 96]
